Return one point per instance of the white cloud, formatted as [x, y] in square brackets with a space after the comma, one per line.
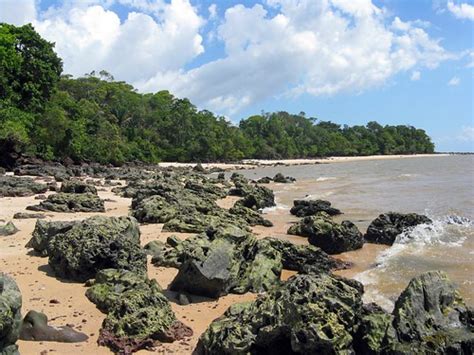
[454, 81]
[313, 47]
[310, 47]
[17, 12]
[461, 11]
[467, 134]
[89, 36]
[415, 76]
[212, 11]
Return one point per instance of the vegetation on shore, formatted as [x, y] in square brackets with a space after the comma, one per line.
[95, 118]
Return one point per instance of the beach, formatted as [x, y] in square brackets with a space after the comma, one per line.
[65, 302]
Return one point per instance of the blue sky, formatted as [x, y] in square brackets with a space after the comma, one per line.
[348, 61]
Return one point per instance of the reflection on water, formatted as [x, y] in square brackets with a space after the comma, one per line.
[441, 187]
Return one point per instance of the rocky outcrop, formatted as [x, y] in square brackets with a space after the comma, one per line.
[280, 178]
[253, 196]
[10, 315]
[233, 261]
[95, 244]
[44, 232]
[22, 215]
[251, 216]
[386, 227]
[328, 235]
[304, 208]
[8, 229]
[323, 314]
[13, 186]
[309, 314]
[138, 314]
[70, 202]
[35, 328]
[78, 187]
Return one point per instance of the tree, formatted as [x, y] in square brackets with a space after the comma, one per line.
[30, 69]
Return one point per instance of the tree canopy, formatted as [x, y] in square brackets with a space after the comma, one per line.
[95, 118]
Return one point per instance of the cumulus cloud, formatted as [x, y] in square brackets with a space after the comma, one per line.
[454, 81]
[17, 12]
[312, 47]
[415, 76]
[283, 47]
[467, 134]
[461, 11]
[89, 36]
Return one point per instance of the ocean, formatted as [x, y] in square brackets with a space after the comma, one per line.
[440, 187]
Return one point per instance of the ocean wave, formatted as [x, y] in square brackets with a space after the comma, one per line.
[325, 178]
[407, 175]
[279, 206]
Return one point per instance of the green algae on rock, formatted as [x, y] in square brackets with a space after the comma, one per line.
[304, 208]
[70, 202]
[138, 314]
[8, 229]
[78, 187]
[13, 186]
[94, 244]
[332, 237]
[43, 233]
[10, 315]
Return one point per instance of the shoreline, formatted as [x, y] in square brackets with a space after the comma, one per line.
[256, 163]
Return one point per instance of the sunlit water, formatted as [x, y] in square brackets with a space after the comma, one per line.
[440, 187]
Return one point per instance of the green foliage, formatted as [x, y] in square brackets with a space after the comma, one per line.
[95, 118]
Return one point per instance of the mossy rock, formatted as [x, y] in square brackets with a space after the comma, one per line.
[70, 202]
[10, 315]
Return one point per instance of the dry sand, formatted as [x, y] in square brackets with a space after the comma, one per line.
[39, 286]
[253, 163]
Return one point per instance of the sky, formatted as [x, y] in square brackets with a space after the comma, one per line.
[347, 61]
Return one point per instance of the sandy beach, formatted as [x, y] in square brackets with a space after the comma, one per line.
[40, 289]
[253, 163]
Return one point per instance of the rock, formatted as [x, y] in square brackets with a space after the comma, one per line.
[40, 197]
[305, 258]
[221, 176]
[154, 248]
[430, 314]
[35, 328]
[70, 202]
[22, 215]
[386, 227]
[303, 208]
[183, 300]
[220, 262]
[328, 235]
[154, 209]
[8, 229]
[199, 168]
[78, 187]
[13, 186]
[94, 244]
[138, 314]
[10, 315]
[309, 314]
[252, 217]
[264, 180]
[280, 178]
[43, 233]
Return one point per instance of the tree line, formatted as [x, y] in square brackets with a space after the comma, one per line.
[46, 114]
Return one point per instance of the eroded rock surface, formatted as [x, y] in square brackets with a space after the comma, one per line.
[303, 208]
[70, 202]
[10, 315]
[332, 237]
[78, 187]
[13, 186]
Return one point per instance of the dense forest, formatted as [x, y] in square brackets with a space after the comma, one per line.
[46, 114]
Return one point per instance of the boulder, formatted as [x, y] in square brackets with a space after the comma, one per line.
[138, 314]
[70, 202]
[309, 314]
[431, 315]
[10, 315]
[303, 208]
[386, 227]
[280, 178]
[264, 180]
[251, 216]
[8, 229]
[253, 196]
[94, 244]
[13, 186]
[78, 187]
[22, 215]
[328, 235]
[35, 328]
[43, 233]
